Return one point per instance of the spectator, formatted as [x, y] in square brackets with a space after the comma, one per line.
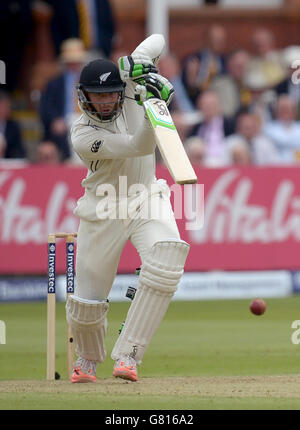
[196, 150]
[90, 20]
[2, 145]
[96, 26]
[290, 85]
[201, 67]
[213, 128]
[169, 67]
[266, 58]
[10, 134]
[284, 131]
[248, 135]
[58, 105]
[64, 22]
[47, 153]
[15, 28]
[262, 96]
[240, 154]
[264, 44]
[213, 56]
[190, 77]
[230, 87]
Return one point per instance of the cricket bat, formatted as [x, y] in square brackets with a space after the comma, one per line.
[169, 142]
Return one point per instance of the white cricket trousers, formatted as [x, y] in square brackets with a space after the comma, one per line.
[100, 245]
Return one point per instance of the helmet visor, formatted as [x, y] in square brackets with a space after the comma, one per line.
[98, 89]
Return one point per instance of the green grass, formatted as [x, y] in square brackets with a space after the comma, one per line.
[32, 401]
[196, 339]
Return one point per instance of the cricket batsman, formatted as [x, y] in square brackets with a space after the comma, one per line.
[115, 141]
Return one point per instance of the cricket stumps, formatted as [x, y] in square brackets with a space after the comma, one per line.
[51, 301]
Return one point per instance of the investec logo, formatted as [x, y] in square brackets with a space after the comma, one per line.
[70, 268]
[2, 333]
[51, 269]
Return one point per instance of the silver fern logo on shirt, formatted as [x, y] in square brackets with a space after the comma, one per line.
[96, 145]
[104, 77]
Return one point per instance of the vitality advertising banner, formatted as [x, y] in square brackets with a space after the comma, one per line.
[249, 220]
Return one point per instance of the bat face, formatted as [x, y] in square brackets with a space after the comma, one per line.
[169, 142]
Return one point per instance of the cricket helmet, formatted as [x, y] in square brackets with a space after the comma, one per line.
[100, 76]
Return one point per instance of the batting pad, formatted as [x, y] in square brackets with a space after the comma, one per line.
[87, 319]
[158, 280]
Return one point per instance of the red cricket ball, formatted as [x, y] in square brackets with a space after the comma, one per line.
[258, 306]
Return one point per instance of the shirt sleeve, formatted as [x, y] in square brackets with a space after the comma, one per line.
[91, 143]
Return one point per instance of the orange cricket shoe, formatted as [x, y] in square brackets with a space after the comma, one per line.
[84, 371]
[125, 368]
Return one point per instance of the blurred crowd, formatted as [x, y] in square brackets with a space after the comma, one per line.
[236, 107]
[230, 107]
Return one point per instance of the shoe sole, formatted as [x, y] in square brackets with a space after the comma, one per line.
[125, 374]
[83, 380]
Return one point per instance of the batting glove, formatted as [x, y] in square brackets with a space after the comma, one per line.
[156, 87]
[135, 67]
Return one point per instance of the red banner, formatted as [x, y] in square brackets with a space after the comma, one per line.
[252, 218]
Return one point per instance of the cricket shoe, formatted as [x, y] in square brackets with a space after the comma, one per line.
[125, 368]
[84, 371]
